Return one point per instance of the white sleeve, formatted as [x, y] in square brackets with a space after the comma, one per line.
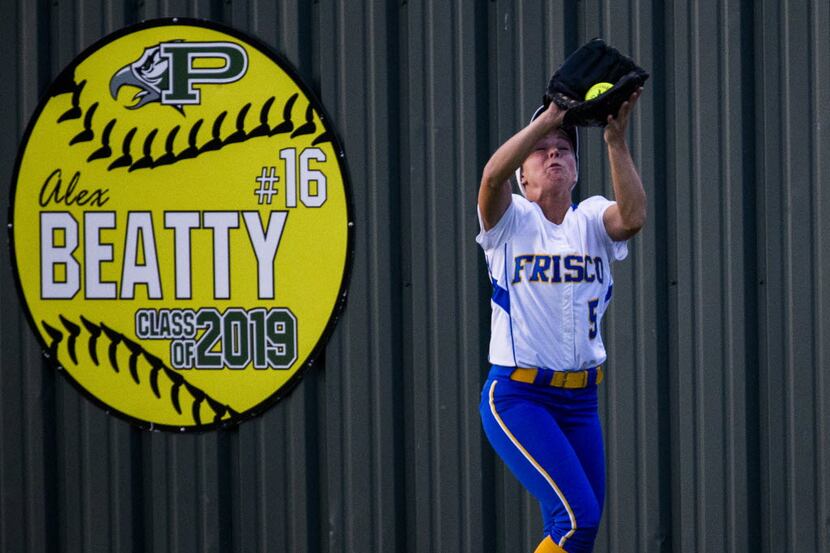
[504, 229]
[595, 207]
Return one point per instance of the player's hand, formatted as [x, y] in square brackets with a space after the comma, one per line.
[553, 116]
[615, 129]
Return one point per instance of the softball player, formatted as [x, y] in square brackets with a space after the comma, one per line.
[549, 262]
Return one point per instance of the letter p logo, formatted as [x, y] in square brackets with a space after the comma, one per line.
[184, 70]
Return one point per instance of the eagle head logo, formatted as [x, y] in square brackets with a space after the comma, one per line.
[150, 73]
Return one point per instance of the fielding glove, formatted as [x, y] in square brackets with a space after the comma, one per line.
[593, 83]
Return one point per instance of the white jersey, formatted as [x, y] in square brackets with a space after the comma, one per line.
[551, 285]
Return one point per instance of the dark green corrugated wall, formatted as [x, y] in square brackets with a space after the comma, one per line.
[717, 405]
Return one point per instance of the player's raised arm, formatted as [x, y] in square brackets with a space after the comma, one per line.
[627, 217]
[494, 194]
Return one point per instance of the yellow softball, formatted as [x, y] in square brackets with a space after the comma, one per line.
[597, 90]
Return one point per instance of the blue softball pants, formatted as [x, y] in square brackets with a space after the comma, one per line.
[551, 439]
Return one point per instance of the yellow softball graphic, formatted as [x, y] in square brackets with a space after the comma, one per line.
[597, 90]
[181, 227]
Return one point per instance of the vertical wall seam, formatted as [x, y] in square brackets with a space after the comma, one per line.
[316, 406]
[430, 284]
[750, 280]
[457, 188]
[786, 269]
[750, 17]
[372, 268]
[484, 130]
[695, 247]
[662, 310]
[395, 178]
[725, 248]
[812, 86]
[819, 252]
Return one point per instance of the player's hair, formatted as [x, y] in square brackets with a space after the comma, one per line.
[573, 136]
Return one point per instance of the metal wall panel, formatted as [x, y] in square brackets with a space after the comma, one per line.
[708, 361]
[443, 142]
[362, 464]
[716, 409]
[792, 209]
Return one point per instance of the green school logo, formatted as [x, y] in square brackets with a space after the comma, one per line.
[167, 72]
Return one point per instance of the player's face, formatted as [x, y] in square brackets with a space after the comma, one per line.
[551, 166]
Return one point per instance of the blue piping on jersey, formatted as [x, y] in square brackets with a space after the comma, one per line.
[574, 206]
[509, 315]
[500, 296]
[608, 293]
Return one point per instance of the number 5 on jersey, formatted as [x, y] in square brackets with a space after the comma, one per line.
[592, 318]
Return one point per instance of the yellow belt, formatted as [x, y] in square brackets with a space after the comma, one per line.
[561, 379]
